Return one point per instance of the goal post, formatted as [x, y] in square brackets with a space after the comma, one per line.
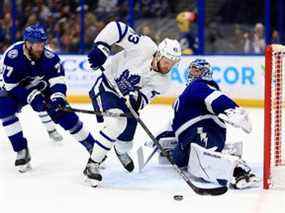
[274, 118]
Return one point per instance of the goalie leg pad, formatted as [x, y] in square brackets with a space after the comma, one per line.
[211, 166]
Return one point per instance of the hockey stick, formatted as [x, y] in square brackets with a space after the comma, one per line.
[198, 190]
[141, 162]
[93, 112]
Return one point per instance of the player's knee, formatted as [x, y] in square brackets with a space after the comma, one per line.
[114, 126]
[67, 121]
[129, 131]
[8, 107]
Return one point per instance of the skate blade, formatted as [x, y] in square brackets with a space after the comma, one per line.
[253, 182]
[24, 168]
[92, 182]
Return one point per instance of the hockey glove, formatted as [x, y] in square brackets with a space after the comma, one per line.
[96, 58]
[238, 118]
[127, 83]
[37, 101]
[56, 106]
[58, 103]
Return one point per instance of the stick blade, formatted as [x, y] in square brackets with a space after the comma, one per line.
[140, 157]
[212, 191]
[208, 191]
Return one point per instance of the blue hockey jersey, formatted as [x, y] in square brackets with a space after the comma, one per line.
[196, 110]
[21, 75]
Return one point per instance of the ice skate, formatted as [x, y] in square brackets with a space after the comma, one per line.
[22, 162]
[125, 160]
[244, 178]
[92, 173]
[55, 136]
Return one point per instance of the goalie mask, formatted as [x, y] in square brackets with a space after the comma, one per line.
[199, 69]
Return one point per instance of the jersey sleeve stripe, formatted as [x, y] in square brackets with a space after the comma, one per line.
[10, 86]
[104, 44]
[56, 80]
[210, 98]
[121, 33]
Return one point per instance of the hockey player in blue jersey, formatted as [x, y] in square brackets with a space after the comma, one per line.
[33, 75]
[54, 136]
[198, 127]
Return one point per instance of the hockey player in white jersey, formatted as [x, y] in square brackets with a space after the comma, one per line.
[199, 130]
[139, 73]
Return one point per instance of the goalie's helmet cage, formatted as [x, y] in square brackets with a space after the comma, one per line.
[274, 118]
[204, 67]
[170, 49]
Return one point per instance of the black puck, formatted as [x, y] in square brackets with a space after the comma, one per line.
[178, 197]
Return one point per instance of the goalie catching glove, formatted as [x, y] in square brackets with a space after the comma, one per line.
[238, 118]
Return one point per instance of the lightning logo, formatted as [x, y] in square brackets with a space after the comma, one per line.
[203, 136]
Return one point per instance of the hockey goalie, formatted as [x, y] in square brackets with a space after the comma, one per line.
[196, 137]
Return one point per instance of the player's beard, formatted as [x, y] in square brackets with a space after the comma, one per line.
[32, 55]
[35, 56]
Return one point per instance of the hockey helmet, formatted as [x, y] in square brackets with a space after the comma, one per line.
[35, 33]
[170, 49]
[204, 67]
[185, 19]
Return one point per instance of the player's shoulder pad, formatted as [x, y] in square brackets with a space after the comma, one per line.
[49, 53]
[148, 46]
[12, 54]
[201, 84]
[13, 51]
[51, 56]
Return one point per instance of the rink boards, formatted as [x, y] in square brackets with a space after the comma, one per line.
[241, 77]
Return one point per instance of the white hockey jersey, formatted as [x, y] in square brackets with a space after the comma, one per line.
[136, 57]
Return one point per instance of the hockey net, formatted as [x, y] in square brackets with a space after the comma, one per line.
[274, 118]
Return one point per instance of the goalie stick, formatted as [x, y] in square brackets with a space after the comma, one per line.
[141, 162]
[201, 191]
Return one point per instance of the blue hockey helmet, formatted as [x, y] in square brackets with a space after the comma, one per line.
[204, 67]
[35, 33]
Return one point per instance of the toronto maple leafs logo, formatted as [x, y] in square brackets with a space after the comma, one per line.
[128, 83]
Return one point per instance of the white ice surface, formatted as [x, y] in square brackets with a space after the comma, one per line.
[56, 183]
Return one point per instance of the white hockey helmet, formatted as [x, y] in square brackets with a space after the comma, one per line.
[170, 49]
